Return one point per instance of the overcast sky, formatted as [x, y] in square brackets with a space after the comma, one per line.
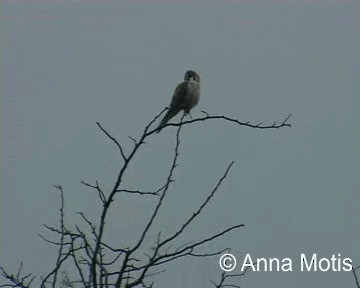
[67, 64]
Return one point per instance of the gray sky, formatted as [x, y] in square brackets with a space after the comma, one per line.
[67, 64]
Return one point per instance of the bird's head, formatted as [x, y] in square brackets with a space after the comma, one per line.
[191, 75]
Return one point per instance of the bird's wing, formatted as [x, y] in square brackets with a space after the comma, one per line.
[179, 98]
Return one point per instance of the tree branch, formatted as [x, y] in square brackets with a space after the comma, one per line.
[114, 140]
[195, 214]
[260, 125]
[18, 280]
[355, 276]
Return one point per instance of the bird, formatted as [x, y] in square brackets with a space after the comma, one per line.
[186, 96]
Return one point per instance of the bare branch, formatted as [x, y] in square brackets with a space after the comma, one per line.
[195, 214]
[76, 263]
[189, 249]
[156, 193]
[151, 220]
[225, 276]
[97, 188]
[91, 225]
[133, 139]
[153, 121]
[186, 251]
[115, 250]
[113, 192]
[56, 269]
[62, 227]
[355, 276]
[260, 125]
[114, 140]
[209, 254]
[18, 280]
[168, 181]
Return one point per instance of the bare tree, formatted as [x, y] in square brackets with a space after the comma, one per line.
[98, 263]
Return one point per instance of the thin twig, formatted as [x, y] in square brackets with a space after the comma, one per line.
[114, 140]
[97, 188]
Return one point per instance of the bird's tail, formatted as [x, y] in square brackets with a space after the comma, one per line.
[169, 114]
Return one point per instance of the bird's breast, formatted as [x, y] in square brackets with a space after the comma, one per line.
[193, 93]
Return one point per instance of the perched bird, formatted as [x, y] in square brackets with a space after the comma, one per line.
[185, 97]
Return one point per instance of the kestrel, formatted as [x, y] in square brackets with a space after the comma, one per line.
[186, 97]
